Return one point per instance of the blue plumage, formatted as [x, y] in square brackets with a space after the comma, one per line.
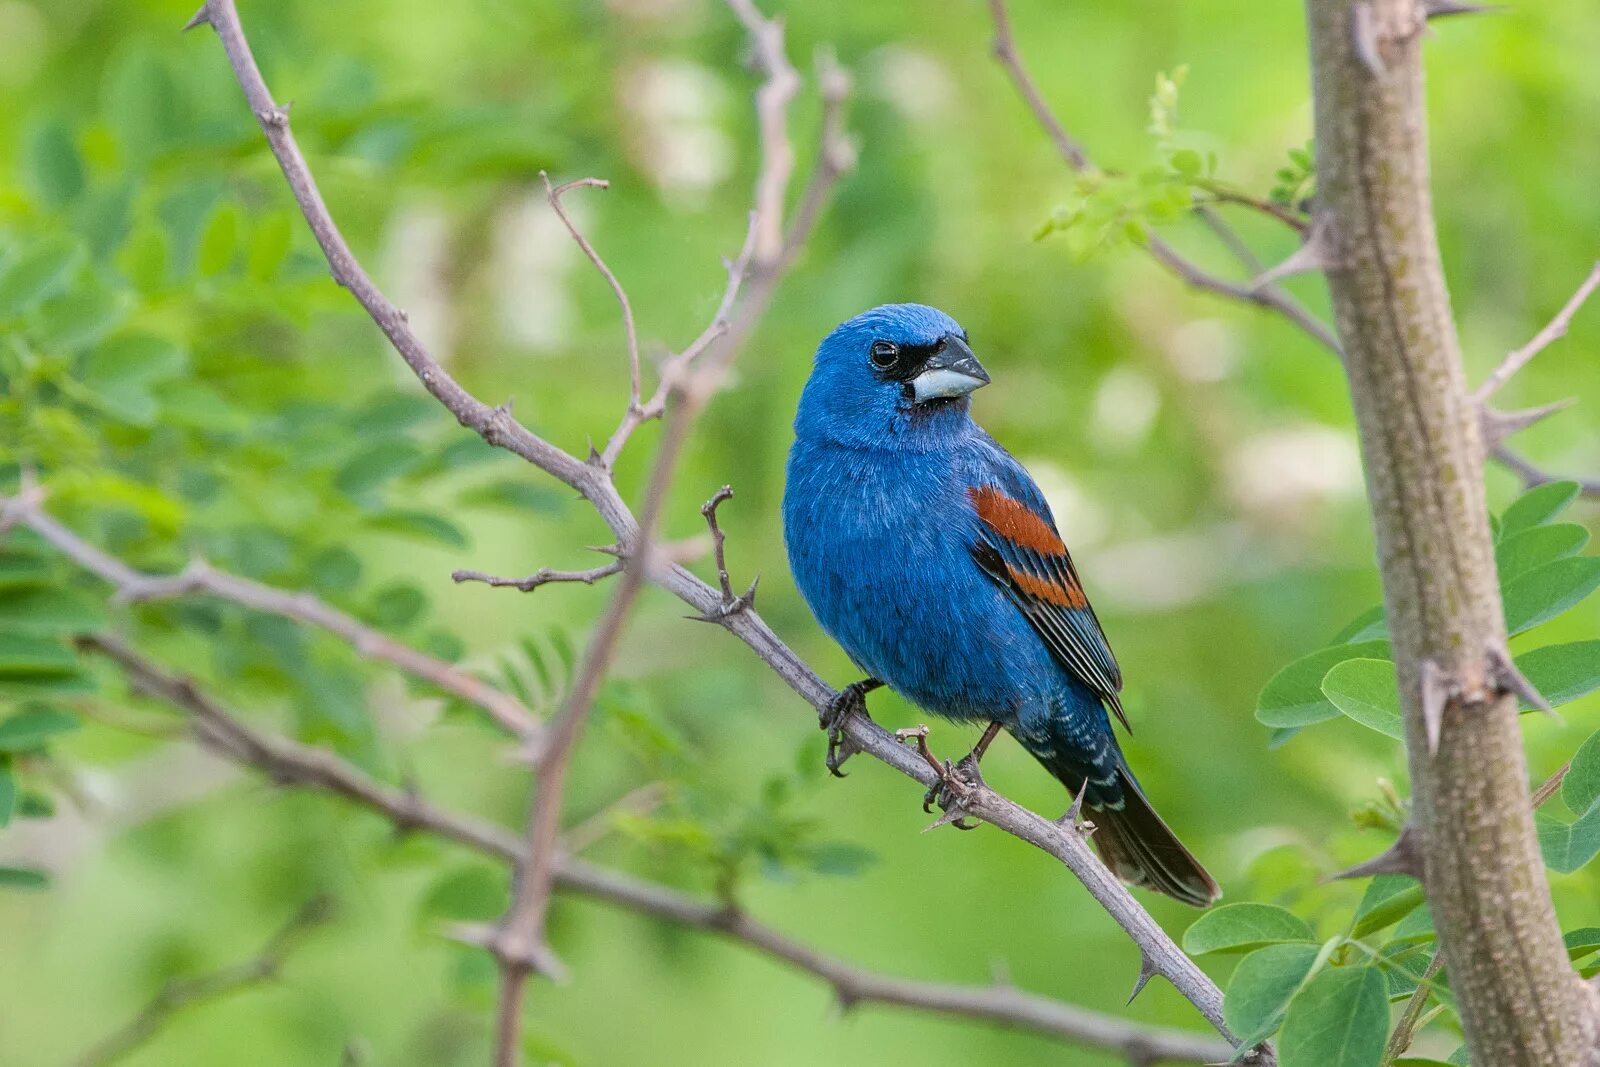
[929, 554]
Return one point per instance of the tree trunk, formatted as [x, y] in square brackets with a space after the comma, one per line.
[1472, 835]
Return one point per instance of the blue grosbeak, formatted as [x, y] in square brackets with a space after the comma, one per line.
[929, 554]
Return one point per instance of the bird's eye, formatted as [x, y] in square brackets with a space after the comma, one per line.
[884, 353]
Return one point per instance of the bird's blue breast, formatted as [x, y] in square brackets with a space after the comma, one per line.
[880, 543]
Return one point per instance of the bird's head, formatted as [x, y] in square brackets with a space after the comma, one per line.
[897, 376]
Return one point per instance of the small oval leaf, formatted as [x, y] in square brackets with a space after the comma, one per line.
[1242, 927]
[1340, 1019]
[1366, 691]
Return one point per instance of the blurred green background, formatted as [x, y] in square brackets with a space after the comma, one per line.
[1199, 456]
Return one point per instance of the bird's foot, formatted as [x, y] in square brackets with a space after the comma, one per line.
[852, 700]
[955, 785]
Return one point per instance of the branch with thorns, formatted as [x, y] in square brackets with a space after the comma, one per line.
[1315, 254]
[227, 735]
[180, 994]
[688, 382]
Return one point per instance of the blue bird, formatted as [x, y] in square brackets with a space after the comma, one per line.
[930, 555]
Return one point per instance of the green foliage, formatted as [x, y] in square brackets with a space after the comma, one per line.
[1340, 1019]
[1364, 690]
[1263, 985]
[1105, 209]
[186, 381]
[1541, 579]
[1295, 182]
[1295, 696]
[1341, 1016]
[1242, 927]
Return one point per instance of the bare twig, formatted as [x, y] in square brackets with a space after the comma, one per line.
[544, 576]
[554, 193]
[778, 89]
[1553, 331]
[593, 482]
[592, 830]
[518, 941]
[494, 424]
[133, 587]
[1072, 153]
[1404, 1030]
[1550, 785]
[291, 763]
[182, 993]
[1497, 426]
[1223, 195]
[731, 602]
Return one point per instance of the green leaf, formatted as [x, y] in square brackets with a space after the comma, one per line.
[140, 102]
[1370, 625]
[1242, 927]
[1366, 691]
[1582, 942]
[475, 893]
[419, 524]
[132, 358]
[1279, 736]
[1413, 1061]
[48, 611]
[270, 240]
[1418, 926]
[1294, 696]
[1522, 552]
[1389, 898]
[32, 728]
[1261, 988]
[397, 605]
[838, 858]
[128, 402]
[1340, 1019]
[78, 319]
[198, 406]
[1545, 592]
[23, 878]
[1581, 787]
[335, 569]
[36, 275]
[23, 655]
[218, 240]
[1567, 846]
[35, 806]
[19, 571]
[55, 169]
[1562, 673]
[1537, 506]
[1186, 161]
[45, 686]
[369, 468]
[8, 795]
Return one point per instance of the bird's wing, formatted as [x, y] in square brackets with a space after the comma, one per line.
[1019, 547]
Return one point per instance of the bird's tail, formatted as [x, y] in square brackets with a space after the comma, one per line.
[1142, 850]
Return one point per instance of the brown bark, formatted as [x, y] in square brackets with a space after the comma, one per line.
[1519, 999]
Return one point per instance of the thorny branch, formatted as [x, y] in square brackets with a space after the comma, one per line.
[543, 576]
[1267, 296]
[182, 993]
[1262, 290]
[1160, 954]
[287, 762]
[135, 587]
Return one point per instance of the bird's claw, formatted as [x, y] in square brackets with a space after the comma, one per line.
[954, 786]
[852, 700]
